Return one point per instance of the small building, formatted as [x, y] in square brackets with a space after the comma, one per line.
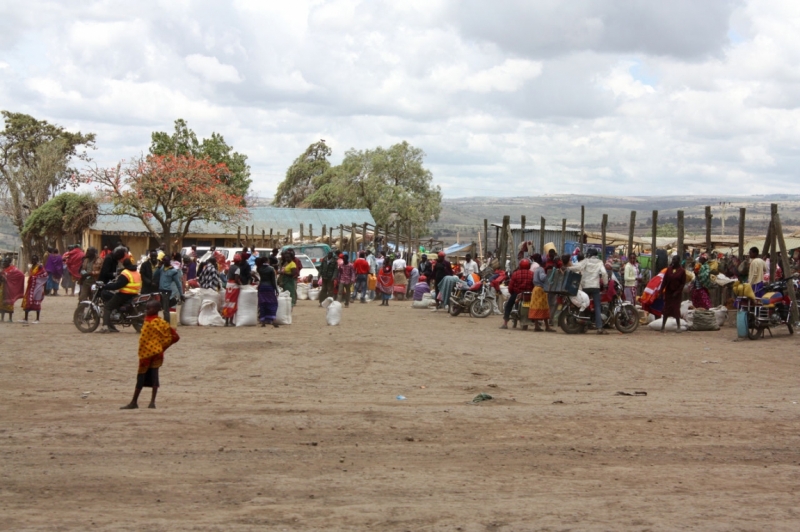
[111, 228]
[552, 233]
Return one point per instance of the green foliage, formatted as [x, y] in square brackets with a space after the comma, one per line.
[666, 230]
[66, 214]
[392, 183]
[184, 142]
[303, 176]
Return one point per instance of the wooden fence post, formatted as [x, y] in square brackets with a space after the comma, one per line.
[563, 236]
[502, 250]
[680, 235]
[580, 237]
[301, 232]
[311, 232]
[238, 236]
[773, 252]
[486, 233]
[341, 238]
[541, 235]
[776, 223]
[708, 230]
[653, 245]
[631, 229]
[603, 227]
[364, 236]
[742, 212]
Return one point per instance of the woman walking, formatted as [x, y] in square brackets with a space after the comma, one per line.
[672, 287]
[12, 288]
[231, 304]
[267, 291]
[34, 293]
[54, 266]
[385, 284]
[288, 275]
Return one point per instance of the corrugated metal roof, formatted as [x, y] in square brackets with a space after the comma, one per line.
[552, 233]
[262, 218]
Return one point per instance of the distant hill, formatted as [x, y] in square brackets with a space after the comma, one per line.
[466, 215]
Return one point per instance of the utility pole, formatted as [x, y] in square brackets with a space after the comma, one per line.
[723, 205]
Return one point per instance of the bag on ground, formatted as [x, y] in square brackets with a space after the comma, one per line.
[302, 291]
[247, 312]
[284, 316]
[427, 301]
[704, 320]
[209, 316]
[190, 309]
[313, 294]
[670, 326]
[333, 311]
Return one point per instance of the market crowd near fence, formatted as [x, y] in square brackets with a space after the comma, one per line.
[593, 282]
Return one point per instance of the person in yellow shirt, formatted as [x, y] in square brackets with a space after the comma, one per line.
[156, 337]
[755, 277]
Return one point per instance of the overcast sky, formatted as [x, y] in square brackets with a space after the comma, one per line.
[620, 97]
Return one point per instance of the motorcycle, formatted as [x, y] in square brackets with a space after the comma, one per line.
[89, 313]
[477, 300]
[615, 312]
[519, 314]
[763, 316]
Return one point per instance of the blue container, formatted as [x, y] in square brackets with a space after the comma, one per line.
[741, 324]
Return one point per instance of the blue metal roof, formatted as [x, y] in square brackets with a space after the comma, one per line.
[261, 218]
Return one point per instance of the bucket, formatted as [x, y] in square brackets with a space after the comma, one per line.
[173, 317]
[547, 248]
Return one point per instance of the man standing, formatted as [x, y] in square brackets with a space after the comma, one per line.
[361, 267]
[327, 273]
[593, 271]
[128, 286]
[441, 269]
[373, 270]
[552, 262]
[470, 266]
[758, 268]
[425, 267]
[170, 284]
[147, 271]
[346, 276]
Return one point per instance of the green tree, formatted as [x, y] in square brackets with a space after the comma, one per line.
[64, 217]
[35, 158]
[392, 183]
[302, 177]
[183, 141]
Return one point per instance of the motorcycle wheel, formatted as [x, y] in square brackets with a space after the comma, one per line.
[455, 310]
[137, 325]
[86, 319]
[627, 320]
[569, 324]
[754, 332]
[480, 309]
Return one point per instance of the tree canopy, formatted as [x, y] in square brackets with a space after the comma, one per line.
[392, 183]
[169, 192]
[68, 214]
[183, 141]
[35, 158]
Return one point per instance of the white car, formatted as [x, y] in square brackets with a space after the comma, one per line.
[308, 267]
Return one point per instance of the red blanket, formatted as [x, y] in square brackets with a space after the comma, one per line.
[73, 259]
[14, 285]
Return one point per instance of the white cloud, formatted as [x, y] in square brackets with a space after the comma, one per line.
[524, 96]
[212, 70]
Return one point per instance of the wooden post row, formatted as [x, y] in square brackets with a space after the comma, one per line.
[603, 228]
[653, 245]
[631, 230]
[680, 235]
[742, 212]
[503, 244]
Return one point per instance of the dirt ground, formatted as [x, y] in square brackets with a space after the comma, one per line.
[299, 428]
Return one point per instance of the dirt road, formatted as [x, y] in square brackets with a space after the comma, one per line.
[299, 428]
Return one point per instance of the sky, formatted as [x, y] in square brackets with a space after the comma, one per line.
[507, 98]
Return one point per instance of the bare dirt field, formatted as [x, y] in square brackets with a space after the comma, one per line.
[299, 428]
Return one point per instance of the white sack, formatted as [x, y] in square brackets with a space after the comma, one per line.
[209, 316]
[426, 302]
[723, 280]
[302, 291]
[313, 294]
[671, 325]
[247, 310]
[581, 300]
[686, 306]
[333, 314]
[504, 290]
[721, 314]
[207, 294]
[190, 309]
[284, 316]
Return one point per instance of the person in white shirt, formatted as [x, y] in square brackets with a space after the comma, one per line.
[400, 279]
[758, 267]
[470, 266]
[399, 264]
[592, 273]
[631, 277]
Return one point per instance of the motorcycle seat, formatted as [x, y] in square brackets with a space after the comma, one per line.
[475, 287]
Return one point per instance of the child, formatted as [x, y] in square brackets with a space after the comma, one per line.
[156, 337]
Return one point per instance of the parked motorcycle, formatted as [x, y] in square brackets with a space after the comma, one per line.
[519, 314]
[615, 312]
[762, 317]
[89, 313]
[477, 300]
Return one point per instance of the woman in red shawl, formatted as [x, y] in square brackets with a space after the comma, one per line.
[232, 288]
[12, 286]
[385, 284]
[34, 293]
[672, 287]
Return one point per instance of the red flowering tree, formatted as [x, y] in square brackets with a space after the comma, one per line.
[168, 193]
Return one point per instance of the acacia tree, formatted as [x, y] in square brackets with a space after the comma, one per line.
[168, 193]
[183, 141]
[35, 159]
[392, 183]
[66, 215]
[302, 177]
